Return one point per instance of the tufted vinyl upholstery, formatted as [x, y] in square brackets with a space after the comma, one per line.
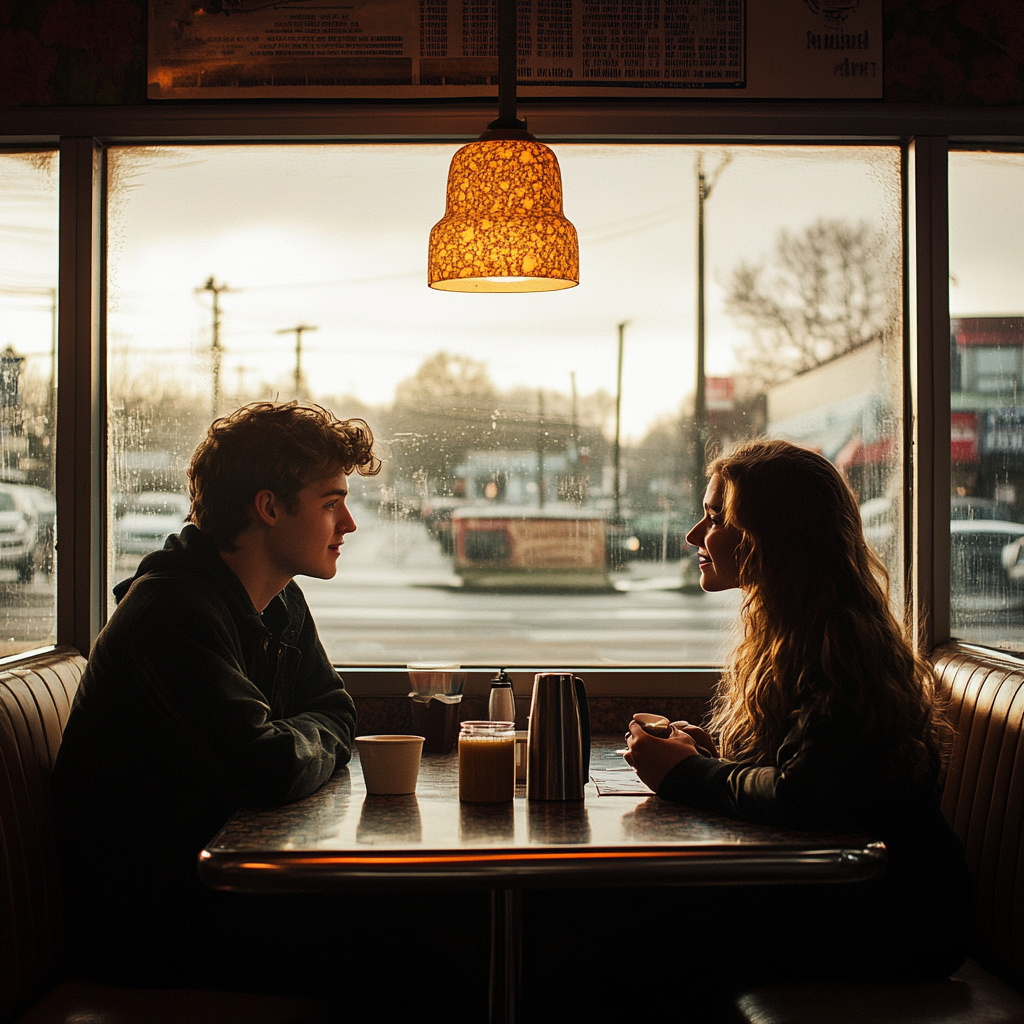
[983, 797]
[35, 699]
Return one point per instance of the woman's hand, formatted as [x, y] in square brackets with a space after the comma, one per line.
[652, 757]
[704, 742]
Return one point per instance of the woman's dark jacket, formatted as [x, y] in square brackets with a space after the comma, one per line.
[192, 704]
[917, 919]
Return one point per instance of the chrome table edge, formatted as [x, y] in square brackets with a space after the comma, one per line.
[565, 866]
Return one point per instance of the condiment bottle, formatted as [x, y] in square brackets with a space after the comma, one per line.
[501, 707]
[487, 768]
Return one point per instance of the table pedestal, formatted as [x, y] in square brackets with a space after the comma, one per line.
[506, 955]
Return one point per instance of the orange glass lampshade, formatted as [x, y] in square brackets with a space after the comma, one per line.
[503, 229]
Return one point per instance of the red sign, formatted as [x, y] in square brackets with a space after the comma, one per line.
[1002, 331]
[718, 393]
[963, 437]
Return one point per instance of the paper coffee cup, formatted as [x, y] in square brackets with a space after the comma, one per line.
[390, 763]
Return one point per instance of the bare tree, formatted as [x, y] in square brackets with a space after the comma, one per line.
[445, 380]
[450, 407]
[440, 413]
[824, 294]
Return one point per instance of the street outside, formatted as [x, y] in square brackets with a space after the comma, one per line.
[396, 599]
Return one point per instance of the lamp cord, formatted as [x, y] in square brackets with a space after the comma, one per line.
[508, 59]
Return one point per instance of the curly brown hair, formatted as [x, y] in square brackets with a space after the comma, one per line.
[818, 627]
[273, 446]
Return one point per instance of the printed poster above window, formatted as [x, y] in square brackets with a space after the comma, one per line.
[315, 49]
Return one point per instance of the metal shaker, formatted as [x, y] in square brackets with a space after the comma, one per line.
[559, 738]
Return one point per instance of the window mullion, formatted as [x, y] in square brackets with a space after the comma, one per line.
[81, 419]
[929, 368]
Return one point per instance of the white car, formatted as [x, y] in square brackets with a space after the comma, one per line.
[986, 554]
[983, 576]
[18, 531]
[46, 525]
[147, 520]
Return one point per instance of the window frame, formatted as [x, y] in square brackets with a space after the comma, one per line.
[925, 135]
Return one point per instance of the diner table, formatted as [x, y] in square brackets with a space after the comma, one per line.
[340, 838]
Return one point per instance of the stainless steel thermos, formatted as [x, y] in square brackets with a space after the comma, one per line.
[559, 738]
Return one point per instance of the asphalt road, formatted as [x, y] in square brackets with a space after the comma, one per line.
[395, 599]
[27, 613]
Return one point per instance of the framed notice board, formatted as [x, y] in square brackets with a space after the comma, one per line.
[304, 49]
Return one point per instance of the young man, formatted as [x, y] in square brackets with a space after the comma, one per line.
[208, 689]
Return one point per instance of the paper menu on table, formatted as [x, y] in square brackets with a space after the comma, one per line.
[619, 782]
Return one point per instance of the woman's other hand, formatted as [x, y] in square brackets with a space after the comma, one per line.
[705, 744]
[652, 757]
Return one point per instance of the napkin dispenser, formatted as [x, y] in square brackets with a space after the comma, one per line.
[558, 747]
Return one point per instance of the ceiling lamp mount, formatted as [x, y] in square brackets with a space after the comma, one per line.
[503, 229]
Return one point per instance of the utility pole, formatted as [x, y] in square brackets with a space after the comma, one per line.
[51, 402]
[215, 290]
[705, 185]
[540, 448]
[618, 428]
[575, 482]
[298, 330]
[575, 415]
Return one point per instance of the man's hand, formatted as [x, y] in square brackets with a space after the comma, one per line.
[652, 757]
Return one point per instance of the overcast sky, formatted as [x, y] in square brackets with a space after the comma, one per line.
[336, 237]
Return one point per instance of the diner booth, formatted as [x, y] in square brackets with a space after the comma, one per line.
[86, 415]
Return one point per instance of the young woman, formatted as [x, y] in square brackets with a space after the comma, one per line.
[826, 718]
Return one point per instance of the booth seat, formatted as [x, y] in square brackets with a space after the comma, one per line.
[983, 798]
[35, 699]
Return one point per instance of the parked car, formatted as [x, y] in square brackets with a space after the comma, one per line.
[985, 575]
[437, 518]
[876, 518]
[18, 531]
[46, 524]
[655, 536]
[1013, 560]
[983, 555]
[147, 520]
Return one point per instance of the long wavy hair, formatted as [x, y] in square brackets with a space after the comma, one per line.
[818, 630]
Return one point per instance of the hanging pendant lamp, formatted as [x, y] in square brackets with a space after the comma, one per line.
[503, 229]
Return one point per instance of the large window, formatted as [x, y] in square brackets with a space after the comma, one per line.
[986, 225]
[500, 531]
[28, 350]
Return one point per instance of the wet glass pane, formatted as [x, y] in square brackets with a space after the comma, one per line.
[986, 224]
[28, 340]
[501, 531]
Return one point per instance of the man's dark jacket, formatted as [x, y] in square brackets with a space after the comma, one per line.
[192, 704]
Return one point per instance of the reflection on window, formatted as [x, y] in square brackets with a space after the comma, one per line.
[28, 346]
[987, 356]
[532, 511]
